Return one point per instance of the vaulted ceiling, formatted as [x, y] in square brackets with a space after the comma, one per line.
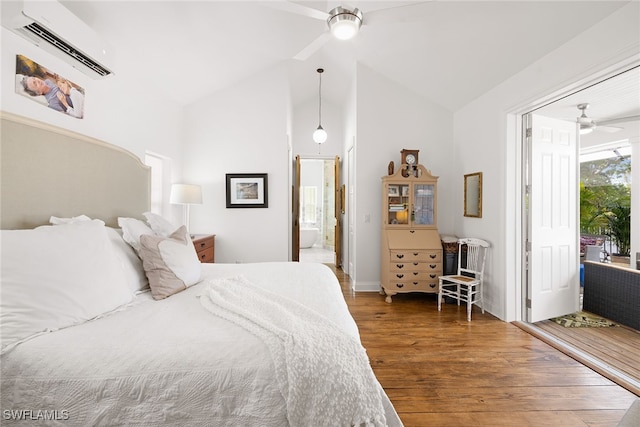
[450, 52]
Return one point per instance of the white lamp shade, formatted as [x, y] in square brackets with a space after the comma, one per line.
[319, 135]
[186, 194]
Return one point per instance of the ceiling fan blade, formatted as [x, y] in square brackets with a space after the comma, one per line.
[312, 47]
[298, 9]
[619, 120]
[608, 129]
[398, 14]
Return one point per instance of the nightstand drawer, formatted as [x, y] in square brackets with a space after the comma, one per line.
[203, 243]
[205, 246]
[206, 255]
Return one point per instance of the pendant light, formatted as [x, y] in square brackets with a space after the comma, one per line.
[320, 135]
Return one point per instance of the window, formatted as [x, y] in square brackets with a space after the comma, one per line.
[308, 204]
[158, 173]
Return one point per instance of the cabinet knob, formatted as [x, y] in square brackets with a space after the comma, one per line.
[433, 256]
[400, 265]
[432, 285]
[432, 265]
[399, 276]
[202, 244]
[400, 256]
[400, 285]
[433, 276]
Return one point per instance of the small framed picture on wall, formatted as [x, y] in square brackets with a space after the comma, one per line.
[247, 190]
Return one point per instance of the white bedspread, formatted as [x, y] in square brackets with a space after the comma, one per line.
[168, 362]
[323, 373]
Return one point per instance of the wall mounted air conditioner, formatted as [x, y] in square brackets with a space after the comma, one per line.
[52, 27]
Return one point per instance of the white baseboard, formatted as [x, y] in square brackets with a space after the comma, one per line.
[361, 286]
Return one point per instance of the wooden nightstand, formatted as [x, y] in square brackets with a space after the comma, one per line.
[205, 246]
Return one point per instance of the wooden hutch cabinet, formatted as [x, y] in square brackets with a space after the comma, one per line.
[411, 251]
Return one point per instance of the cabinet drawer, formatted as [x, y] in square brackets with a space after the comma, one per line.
[395, 267]
[412, 286]
[416, 255]
[206, 255]
[408, 256]
[415, 275]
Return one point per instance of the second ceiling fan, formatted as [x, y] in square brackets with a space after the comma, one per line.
[588, 125]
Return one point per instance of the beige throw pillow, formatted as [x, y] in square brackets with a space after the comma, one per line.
[170, 263]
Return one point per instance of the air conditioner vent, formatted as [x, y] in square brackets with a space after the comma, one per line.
[66, 48]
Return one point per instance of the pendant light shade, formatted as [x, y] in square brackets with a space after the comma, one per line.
[320, 135]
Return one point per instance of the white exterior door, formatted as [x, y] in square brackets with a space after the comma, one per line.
[553, 282]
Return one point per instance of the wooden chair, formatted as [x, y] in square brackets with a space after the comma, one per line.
[466, 285]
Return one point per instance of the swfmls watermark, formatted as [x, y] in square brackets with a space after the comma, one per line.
[35, 414]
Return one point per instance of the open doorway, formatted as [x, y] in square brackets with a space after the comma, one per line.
[613, 119]
[607, 156]
[317, 207]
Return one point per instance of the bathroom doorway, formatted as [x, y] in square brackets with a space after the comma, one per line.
[317, 210]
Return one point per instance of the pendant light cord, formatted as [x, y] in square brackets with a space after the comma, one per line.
[320, 71]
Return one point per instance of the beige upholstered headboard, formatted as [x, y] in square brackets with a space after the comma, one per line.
[46, 171]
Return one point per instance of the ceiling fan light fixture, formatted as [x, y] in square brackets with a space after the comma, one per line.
[585, 130]
[586, 124]
[344, 23]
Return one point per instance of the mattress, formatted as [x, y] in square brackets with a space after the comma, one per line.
[167, 362]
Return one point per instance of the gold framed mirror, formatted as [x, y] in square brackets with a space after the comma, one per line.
[473, 195]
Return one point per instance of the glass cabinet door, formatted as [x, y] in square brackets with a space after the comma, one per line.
[423, 204]
[398, 204]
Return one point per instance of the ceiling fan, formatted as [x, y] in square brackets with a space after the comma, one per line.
[588, 125]
[344, 22]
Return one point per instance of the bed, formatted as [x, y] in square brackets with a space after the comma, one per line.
[85, 342]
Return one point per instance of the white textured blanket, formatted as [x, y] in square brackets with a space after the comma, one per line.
[323, 373]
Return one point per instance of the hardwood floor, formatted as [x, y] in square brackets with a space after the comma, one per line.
[613, 352]
[440, 370]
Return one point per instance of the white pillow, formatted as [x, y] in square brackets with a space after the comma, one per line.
[159, 225]
[132, 229]
[80, 218]
[171, 263]
[57, 276]
[129, 260]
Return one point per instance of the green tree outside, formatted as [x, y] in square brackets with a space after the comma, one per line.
[605, 200]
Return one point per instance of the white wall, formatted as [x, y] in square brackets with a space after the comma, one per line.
[124, 113]
[486, 138]
[389, 118]
[241, 129]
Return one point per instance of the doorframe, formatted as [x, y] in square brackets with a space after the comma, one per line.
[515, 297]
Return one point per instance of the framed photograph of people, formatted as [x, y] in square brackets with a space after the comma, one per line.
[247, 190]
[48, 88]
